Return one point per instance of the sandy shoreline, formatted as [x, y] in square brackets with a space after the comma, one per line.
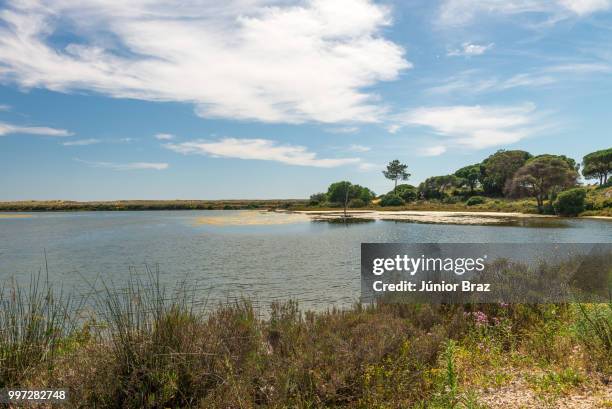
[430, 216]
[15, 216]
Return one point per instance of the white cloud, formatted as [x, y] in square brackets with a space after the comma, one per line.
[274, 61]
[582, 7]
[476, 126]
[5, 107]
[164, 136]
[461, 12]
[393, 128]
[258, 149]
[470, 49]
[436, 150]
[82, 142]
[6, 129]
[125, 166]
[359, 148]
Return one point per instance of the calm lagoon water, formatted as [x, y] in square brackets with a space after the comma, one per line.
[316, 263]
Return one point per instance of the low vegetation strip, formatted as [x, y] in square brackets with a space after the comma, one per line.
[149, 347]
[122, 205]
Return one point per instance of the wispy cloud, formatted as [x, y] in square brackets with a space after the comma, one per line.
[164, 136]
[461, 12]
[343, 129]
[359, 148]
[367, 166]
[125, 166]
[436, 150]
[583, 7]
[581, 68]
[258, 149]
[476, 126]
[210, 54]
[82, 142]
[7, 129]
[476, 82]
[4, 107]
[470, 49]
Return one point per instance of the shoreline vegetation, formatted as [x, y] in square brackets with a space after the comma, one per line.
[148, 346]
[490, 208]
[508, 181]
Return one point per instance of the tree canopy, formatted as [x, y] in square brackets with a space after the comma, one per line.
[435, 187]
[499, 168]
[337, 192]
[541, 176]
[396, 171]
[598, 165]
[470, 176]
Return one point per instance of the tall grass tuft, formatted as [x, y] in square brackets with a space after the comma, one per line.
[34, 322]
[595, 331]
[149, 331]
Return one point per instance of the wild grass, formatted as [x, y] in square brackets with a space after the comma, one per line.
[35, 322]
[149, 346]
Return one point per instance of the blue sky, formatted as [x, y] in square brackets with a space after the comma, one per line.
[145, 99]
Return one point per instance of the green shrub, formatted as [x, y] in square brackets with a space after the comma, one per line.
[391, 200]
[408, 193]
[475, 200]
[594, 328]
[570, 202]
[317, 198]
[548, 208]
[451, 199]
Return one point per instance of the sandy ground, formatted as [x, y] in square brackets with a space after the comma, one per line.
[15, 216]
[259, 217]
[253, 218]
[423, 216]
[518, 395]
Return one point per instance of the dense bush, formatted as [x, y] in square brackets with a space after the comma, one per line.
[355, 203]
[317, 198]
[391, 200]
[475, 200]
[439, 187]
[570, 202]
[408, 193]
[451, 199]
[337, 192]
